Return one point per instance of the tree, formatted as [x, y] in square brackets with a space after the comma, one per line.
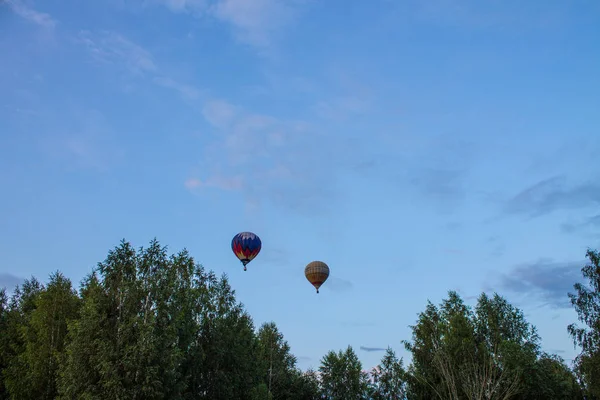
[486, 379]
[277, 363]
[154, 327]
[510, 343]
[306, 386]
[261, 392]
[45, 334]
[21, 306]
[342, 377]
[229, 366]
[586, 302]
[487, 353]
[389, 378]
[113, 338]
[442, 339]
[4, 341]
[556, 380]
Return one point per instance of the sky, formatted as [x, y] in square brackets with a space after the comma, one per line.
[415, 147]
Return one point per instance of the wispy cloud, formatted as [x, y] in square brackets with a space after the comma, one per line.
[258, 23]
[86, 139]
[255, 22]
[275, 256]
[39, 18]
[193, 6]
[590, 223]
[186, 91]
[337, 284]
[544, 281]
[269, 159]
[372, 349]
[490, 14]
[438, 169]
[219, 113]
[498, 248]
[112, 48]
[219, 182]
[553, 194]
[340, 108]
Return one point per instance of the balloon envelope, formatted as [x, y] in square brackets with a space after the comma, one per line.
[246, 246]
[317, 273]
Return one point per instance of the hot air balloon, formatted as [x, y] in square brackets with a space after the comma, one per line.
[317, 273]
[246, 246]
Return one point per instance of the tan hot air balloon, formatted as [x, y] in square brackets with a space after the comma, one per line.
[317, 273]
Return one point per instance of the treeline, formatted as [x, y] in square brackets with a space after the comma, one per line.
[149, 325]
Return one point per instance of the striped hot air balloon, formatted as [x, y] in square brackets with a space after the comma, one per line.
[246, 246]
[317, 273]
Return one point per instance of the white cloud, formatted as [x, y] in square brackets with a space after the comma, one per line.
[30, 14]
[86, 139]
[187, 91]
[254, 21]
[216, 181]
[110, 47]
[268, 159]
[342, 107]
[113, 48]
[219, 113]
[184, 5]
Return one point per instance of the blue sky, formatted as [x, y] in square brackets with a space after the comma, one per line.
[416, 147]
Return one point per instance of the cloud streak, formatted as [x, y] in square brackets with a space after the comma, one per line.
[86, 139]
[338, 284]
[372, 349]
[258, 23]
[545, 281]
[553, 194]
[112, 48]
[267, 159]
[482, 15]
[438, 169]
[590, 223]
[39, 18]
[254, 22]
[190, 6]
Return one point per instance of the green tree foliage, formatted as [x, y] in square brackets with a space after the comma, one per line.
[277, 363]
[149, 325]
[261, 392]
[442, 340]
[228, 347]
[342, 377]
[389, 378]
[586, 302]
[490, 352]
[307, 386]
[555, 380]
[510, 342]
[278, 370]
[155, 327]
[4, 341]
[18, 316]
[45, 334]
